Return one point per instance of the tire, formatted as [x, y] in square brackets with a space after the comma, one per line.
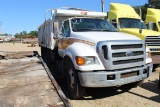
[54, 56]
[48, 56]
[76, 90]
[42, 52]
[155, 66]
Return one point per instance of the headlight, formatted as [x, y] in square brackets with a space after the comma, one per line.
[90, 60]
[87, 60]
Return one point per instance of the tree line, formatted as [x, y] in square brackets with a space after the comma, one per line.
[24, 33]
[151, 4]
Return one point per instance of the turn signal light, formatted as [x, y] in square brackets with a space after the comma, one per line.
[80, 61]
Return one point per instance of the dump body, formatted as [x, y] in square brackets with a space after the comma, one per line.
[93, 50]
[130, 22]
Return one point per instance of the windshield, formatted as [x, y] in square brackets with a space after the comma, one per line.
[159, 24]
[90, 24]
[131, 23]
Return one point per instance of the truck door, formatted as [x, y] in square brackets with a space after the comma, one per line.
[64, 36]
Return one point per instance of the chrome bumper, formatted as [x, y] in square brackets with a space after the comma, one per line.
[114, 78]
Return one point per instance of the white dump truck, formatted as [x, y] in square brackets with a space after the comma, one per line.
[91, 52]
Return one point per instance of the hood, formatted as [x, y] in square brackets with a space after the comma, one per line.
[102, 36]
[145, 32]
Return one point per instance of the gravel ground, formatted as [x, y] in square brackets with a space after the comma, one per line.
[145, 95]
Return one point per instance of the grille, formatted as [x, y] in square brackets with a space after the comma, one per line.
[155, 49]
[126, 46]
[124, 54]
[152, 40]
[121, 54]
[127, 61]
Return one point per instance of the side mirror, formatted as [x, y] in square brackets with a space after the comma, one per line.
[55, 28]
[150, 26]
[115, 24]
[141, 26]
[62, 35]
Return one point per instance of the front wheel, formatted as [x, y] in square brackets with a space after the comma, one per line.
[76, 90]
[155, 66]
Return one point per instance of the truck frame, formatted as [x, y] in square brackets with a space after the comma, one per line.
[91, 52]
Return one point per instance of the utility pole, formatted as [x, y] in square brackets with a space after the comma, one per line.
[102, 1]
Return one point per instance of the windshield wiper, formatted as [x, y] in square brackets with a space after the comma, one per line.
[109, 30]
[83, 29]
[87, 29]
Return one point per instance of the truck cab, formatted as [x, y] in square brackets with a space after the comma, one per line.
[126, 20]
[153, 17]
[91, 52]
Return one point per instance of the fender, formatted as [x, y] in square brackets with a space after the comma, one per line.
[82, 49]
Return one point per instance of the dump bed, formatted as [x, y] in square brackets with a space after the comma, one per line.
[46, 31]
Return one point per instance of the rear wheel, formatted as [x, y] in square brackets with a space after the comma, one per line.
[48, 56]
[76, 90]
[42, 52]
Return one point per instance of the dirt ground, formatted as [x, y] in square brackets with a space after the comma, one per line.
[10, 47]
[145, 95]
[24, 82]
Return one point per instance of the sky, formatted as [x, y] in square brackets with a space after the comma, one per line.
[26, 15]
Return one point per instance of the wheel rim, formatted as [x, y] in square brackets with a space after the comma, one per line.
[71, 75]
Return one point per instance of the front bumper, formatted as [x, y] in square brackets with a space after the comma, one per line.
[114, 78]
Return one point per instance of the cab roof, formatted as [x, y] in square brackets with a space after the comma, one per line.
[153, 15]
[118, 10]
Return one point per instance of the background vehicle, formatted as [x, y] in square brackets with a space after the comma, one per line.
[154, 17]
[130, 22]
[1, 40]
[91, 52]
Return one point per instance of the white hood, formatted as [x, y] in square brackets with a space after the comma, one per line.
[103, 36]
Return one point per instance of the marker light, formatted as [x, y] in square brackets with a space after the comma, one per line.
[80, 60]
[84, 13]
